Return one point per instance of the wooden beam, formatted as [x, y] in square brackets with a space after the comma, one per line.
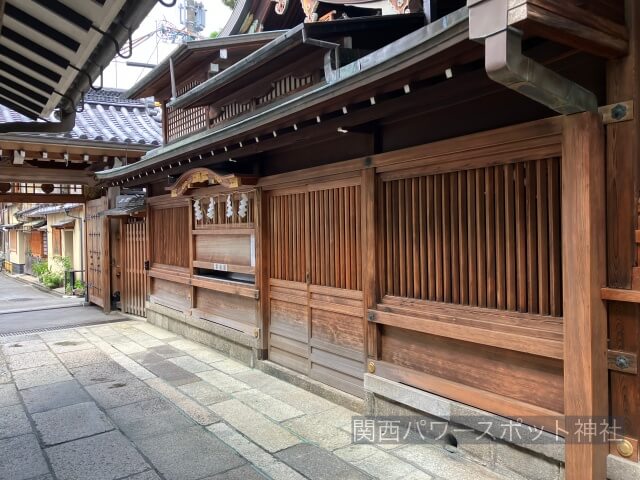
[40, 198]
[570, 25]
[46, 175]
[584, 270]
[620, 295]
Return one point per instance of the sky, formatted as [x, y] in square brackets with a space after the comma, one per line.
[154, 49]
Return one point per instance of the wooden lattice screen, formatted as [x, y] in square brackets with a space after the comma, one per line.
[184, 121]
[487, 237]
[170, 236]
[288, 260]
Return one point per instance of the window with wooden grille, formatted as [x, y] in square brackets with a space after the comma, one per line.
[487, 237]
[224, 209]
[184, 121]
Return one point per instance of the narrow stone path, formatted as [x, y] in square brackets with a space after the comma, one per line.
[131, 400]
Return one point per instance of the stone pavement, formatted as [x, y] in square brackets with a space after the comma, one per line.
[131, 400]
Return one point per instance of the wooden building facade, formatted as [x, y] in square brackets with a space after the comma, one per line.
[442, 205]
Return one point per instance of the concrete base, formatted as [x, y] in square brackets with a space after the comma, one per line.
[533, 461]
[233, 343]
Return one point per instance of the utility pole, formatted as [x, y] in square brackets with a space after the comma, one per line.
[192, 17]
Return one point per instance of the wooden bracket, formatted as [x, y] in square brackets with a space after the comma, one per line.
[617, 112]
[622, 361]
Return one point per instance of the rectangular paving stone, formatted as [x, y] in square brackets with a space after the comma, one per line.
[190, 364]
[379, 463]
[204, 393]
[21, 458]
[100, 373]
[166, 351]
[297, 397]
[207, 355]
[8, 395]
[13, 422]
[319, 432]
[54, 395]
[31, 360]
[268, 405]
[107, 456]
[193, 409]
[189, 454]
[128, 347]
[243, 473]
[231, 367]
[318, 464]
[157, 332]
[16, 348]
[252, 452]
[185, 345]
[134, 368]
[223, 382]
[148, 475]
[147, 357]
[70, 423]
[171, 373]
[149, 417]
[80, 358]
[63, 346]
[269, 435]
[34, 377]
[5, 374]
[120, 392]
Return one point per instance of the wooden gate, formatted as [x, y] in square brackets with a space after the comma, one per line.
[134, 275]
[98, 283]
[315, 285]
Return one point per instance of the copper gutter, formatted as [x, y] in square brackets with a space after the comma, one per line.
[506, 64]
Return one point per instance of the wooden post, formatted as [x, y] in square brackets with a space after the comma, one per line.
[583, 262]
[369, 254]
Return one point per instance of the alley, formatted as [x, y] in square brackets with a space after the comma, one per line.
[24, 307]
[131, 400]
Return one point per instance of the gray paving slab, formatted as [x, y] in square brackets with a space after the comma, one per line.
[242, 473]
[167, 351]
[33, 377]
[62, 346]
[149, 417]
[5, 374]
[189, 454]
[13, 421]
[147, 357]
[84, 357]
[190, 407]
[122, 392]
[31, 360]
[148, 475]
[71, 423]
[190, 364]
[100, 373]
[16, 348]
[21, 458]
[318, 464]
[55, 395]
[107, 456]
[8, 395]
[171, 373]
[204, 393]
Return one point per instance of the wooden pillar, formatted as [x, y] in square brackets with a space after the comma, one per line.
[583, 262]
[369, 256]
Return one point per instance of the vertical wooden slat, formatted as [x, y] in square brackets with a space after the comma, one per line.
[388, 232]
[332, 243]
[422, 212]
[491, 236]
[395, 242]
[481, 238]
[455, 246]
[463, 236]
[471, 238]
[521, 236]
[446, 238]
[409, 261]
[359, 234]
[501, 294]
[543, 238]
[402, 252]
[431, 238]
[532, 240]
[510, 237]
[439, 237]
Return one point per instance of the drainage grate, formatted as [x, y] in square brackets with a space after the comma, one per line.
[62, 327]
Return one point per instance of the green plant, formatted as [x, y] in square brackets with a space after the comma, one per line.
[40, 268]
[79, 285]
[51, 279]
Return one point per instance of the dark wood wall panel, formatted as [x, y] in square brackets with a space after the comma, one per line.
[169, 236]
[523, 377]
[486, 237]
[171, 294]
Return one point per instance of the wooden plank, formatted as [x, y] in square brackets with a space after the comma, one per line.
[369, 264]
[444, 326]
[622, 361]
[500, 235]
[542, 207]
[481, 239]
[472, 238]
[454, 211]
[532, 239]
[555, 253]
[584, 270]
[490, 215]
[620, 295]
[431, 238]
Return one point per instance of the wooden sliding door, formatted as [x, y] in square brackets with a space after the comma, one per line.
[134, 275]
[315, 284]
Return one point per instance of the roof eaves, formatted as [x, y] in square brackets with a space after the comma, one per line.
[414, 47]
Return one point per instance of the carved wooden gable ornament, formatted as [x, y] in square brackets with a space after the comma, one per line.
[204, 177]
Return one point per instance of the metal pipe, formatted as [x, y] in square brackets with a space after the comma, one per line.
[506, 64]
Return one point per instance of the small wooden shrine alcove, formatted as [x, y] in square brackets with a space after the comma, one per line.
[205, 177]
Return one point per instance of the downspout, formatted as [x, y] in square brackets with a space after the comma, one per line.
[506, 64]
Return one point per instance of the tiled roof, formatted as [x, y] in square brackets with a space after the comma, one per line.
[42, 210]
[107, 117]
